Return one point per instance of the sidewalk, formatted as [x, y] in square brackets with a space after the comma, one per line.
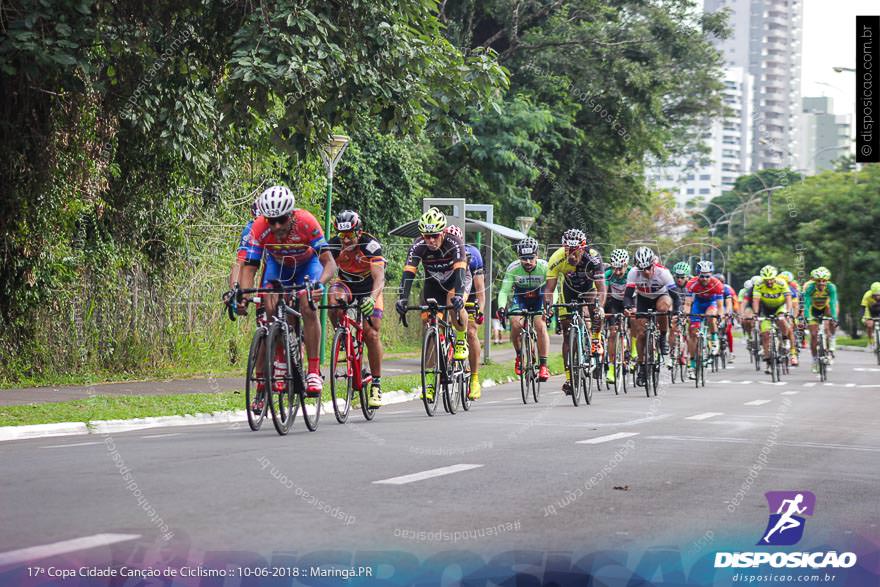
[30, 395]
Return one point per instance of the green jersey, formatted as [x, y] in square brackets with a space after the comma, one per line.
[816, 299]
[522, 283]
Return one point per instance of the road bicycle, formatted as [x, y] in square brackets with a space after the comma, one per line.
[823, 353]
[702, 355]
[653, 359]
[720, 360]
[621, 360]
[283, 371]
[578, 357]
[877, 339]
[347, 372]
[440, 370]
[678, 351]
[529, 364]
[777, 353]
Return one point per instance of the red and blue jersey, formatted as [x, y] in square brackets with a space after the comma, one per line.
[243, 242]
[302, 243]
[712, 290]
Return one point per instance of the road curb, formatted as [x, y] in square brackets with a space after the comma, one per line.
[113, 426]
[861, 349]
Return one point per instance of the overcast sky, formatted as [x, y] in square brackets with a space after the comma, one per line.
[828, 41]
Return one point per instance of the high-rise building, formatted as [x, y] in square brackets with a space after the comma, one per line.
[766, 41]
[824, 136]
[729, 144]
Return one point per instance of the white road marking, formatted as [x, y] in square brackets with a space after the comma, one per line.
[71, 444]
[497, 401]
[789, 393]
[607, 438]
[162, 435]
[810, 384]
[819, 445]
[758, 402]
[724, 381]
[403, 479]
[871, 369]
[395, 413]
[850, 385]
[705, 416]
[65, 546]
[773, 383]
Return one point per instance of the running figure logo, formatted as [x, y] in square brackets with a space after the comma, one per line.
[786, 524]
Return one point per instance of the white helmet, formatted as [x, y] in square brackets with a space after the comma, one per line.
[748, 284]
[644, 257]
[276, 201]
[619, 258]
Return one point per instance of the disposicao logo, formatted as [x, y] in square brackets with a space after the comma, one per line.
[786, 524]
[785, 527]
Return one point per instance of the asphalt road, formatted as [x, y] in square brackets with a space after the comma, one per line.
[688, 468]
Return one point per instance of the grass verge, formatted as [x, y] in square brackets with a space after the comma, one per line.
[106, 407]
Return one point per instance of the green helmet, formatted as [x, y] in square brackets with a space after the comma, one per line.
[432, 221]
[681, 268]
[769, 272]
[788, 275]
[875, 288]
[820, 273]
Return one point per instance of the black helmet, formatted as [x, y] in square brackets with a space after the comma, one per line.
[347, 220]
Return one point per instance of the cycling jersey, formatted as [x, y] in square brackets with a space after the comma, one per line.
[771, 292]
[355, 262]
[819, 299]
[581, 277]
[475, 260]
[795, 289]
[872, 306]
[729, 292]
[439, 264]
[523, 284]
[243, 241]
[660, 283]
[302, 243]
[616, 285]
[711, 291]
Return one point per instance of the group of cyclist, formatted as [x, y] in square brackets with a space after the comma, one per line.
[292, 249]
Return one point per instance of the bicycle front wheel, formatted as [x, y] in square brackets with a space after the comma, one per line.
[575, 357]
[257, 405]
[282, 396]
[341, 376]
[431, 374]
[525, 365]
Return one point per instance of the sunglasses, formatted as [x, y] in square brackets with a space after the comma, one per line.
[278, 219]
[347, 234]
[705, 276]
[430, 235]
[528, 258]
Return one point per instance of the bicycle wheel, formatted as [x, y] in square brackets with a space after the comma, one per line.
[723, 351]
[616, 362]
[655, 372]
[625, 359]
[257, 403]
[282, 396]
[877, 340]
[431, 376]
[465, 387]
[649, 358]
[341, 377]
[774, 359]
[756, 346]
[673, 357]
[823, 372]
[698, 360]
[587, 379]
[453, 387]
[536, 383]
[369, 413]
[524, 365]
[575, 357]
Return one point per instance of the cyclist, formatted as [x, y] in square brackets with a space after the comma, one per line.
[871, 303]
[448, 281]
[583, 277]
[525, 279]
[615, 278]
[772, 296]
[795, 287]
[681, 273]
[820, 299]
[649, 287]
[295, 250]
[731, 309]
[747, 316]
[477, 297]
[704, 295]
[358, 255]
[241, 253]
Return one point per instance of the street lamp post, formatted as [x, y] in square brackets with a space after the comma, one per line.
[331, 153]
